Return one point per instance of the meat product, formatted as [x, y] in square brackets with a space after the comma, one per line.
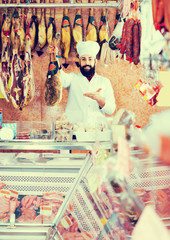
[28, 215]
[6, 219]
[51, 30]
[17, 28]
[5, 69]
[136, 43]
[91, 29]
[158, 12]
[78, 28]
[167, 14]
[27, 81]
[3, 215]
[42, 35]
[53, 195]
[123, 38]
[5, 205]
[33, 31]
[2, 184]
[31, 202]
[65, 34]
[16, 73]
[53, 84]
[129, 40]
[14, 203]
[103, 29]
[6, 25]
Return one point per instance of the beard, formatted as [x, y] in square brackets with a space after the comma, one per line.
[87, 72]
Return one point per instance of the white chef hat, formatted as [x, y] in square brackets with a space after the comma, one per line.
[88, 48]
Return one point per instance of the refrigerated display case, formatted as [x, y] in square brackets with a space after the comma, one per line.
[33, 191]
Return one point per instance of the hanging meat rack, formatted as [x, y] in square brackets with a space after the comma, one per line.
[114, 4]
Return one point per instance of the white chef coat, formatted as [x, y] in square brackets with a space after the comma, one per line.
[81, 108]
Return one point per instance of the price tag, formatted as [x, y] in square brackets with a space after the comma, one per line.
[66, 222]
[5, 193]
[46, 210]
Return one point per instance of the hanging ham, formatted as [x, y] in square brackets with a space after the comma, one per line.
[42, 35]
[17, 28]
[51, 30]
[65, 34]
[78, 28]
[53, 84]
[27, 81]
[103, 29]
[91, 30]
[16, 74]
[6, 25]
[5, 69]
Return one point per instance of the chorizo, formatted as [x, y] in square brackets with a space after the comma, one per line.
[129, 40]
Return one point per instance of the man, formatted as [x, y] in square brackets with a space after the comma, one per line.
[90, 95]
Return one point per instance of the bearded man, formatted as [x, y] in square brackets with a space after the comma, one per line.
[90, 96]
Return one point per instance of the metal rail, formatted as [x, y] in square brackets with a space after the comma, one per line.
[62, 5]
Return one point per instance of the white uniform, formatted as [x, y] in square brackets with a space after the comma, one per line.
[80, 108]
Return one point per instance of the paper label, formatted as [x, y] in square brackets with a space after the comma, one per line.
[13, 194]
[46, 210]
[5, 193]
[66, 222]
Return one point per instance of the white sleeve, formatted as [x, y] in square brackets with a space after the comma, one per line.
[110, 104]
[66, 78]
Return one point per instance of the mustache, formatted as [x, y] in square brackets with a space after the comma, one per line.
[87, 66]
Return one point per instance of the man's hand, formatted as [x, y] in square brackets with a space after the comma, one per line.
[96, 96]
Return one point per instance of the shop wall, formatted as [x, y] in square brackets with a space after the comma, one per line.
[122, 75]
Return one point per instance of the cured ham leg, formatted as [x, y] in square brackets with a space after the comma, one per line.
[65, 34]
[78, 28]
[53, 84]
[42, 35]
[27, 82]
[91, 30]
[5, 69]
[16, 91]
[5, 31]
[17, 28]
[103, 29]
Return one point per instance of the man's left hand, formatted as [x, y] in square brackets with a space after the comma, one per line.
[96, 96]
